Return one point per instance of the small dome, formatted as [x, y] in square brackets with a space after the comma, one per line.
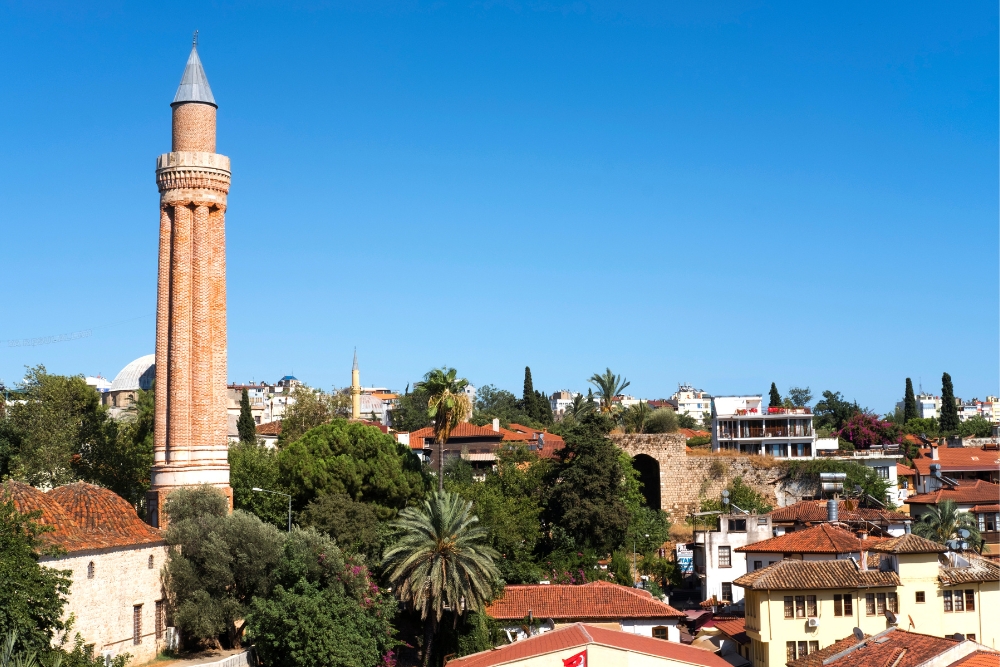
[29, 499]
[138, 374]
[97, 509]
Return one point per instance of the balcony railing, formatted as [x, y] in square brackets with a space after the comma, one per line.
[768, 432]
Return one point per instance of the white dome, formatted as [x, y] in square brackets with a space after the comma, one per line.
[138, 374]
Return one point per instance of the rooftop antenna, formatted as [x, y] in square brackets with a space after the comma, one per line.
[194, 39]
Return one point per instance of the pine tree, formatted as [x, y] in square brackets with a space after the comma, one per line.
[949, 411]
[774, 400]
[909, 403]
[245, 426]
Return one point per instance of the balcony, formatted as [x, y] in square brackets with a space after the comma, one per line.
[766, 432]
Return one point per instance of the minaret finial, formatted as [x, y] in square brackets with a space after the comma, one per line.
[194, 39]
[355, 367]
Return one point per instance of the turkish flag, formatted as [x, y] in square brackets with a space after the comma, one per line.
[578, 660]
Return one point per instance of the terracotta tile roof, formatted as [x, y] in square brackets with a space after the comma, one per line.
[815, 574]
[979, 659]
[978, 492]
[462, 430]
[908, 544]
[693, 433]
[893, 647]
[814, 511]
[597, 600]
[270, 428]
[904, 470]
[954, 459]
[986, 508]
[581, 635]
[822, 539]
[84, 516]
[979, 569]
[736, 629]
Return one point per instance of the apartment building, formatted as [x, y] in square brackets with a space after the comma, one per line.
[716, 561]
[742, 424]
[691, 401]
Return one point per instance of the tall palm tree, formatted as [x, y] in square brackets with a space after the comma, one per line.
[608, 386]
[447, 405]
[633, 419]
[441, 562]
[943, 521]
[580, 406]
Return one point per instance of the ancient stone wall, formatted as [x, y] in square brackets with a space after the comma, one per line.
[684, 478]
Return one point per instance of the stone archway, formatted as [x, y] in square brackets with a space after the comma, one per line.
[649, 476]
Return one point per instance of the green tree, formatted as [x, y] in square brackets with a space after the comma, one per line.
[32, 597]
[633, 418]
[324, 609]
[253, 465]
[943, 521]
[309, 408]
[663, 420]
[774, 398]
[218, 563]
[921, 426]
[858, 475]
[351, 458]
[833, 411]
[528, 394]
[686, 420]
[447, 405]
[245, 425]
[543, 409]
[949, 410]
[909, 403]
[581, 406]
[587, 489]
[608, 386]
[441, 561]
[742, 496]
[621, 568]
[410, 411]
[975, 427]
[800, 396]
[493, 403]
[354, 526]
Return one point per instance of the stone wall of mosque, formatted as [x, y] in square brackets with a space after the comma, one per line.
[108, 585]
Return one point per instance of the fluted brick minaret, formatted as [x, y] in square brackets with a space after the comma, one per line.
[190, 439]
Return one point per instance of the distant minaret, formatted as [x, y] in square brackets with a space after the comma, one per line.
[190, 443]
[355, 389]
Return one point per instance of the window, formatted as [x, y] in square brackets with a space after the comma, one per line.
[811, 606]
[800, 606]
[757, 564]
[870, 604]
[762, 521]
[737, 525]
[848, 605]
[970, 600]
[921, 598]
[803, 649]
[137, 624]
[90, 570]
[947, 600]
[959, 601]
[892, 603]
[789, 651]
[160, 620]
[838, 605]
[813, 647]
[725, 557]
[883, 471]
[971, 637]
[880, 603]
[727, 592]
[659, 632]
[150, 563]
[789, 609]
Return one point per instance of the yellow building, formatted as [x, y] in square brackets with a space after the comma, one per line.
[796, 607]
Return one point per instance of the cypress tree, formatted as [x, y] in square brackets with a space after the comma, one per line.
[909, 403]
[543, 409]
[528, 395]
[949, 411]
[774, 400]
[245, 426]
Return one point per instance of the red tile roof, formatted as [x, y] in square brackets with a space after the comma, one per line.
[693, 433]
[815, 574]
[979, 491]
[955, 459]
[270, 428]
[814, 511]
[979, 659]
[892, 647]
[908, 544]
[84, 516]
[822, 539]
[904, 470]
[985, 508]
[582, 635]
[597, 600]
[736, 629]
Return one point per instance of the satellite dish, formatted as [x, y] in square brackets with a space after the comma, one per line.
[859, 634]
[725, 493]
[964, 534]
[891, 617]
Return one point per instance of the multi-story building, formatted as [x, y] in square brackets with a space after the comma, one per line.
[268, 402]
[691, 401]
[716, 563]
[916, 585]
[560, 401]
[741, 424]
[802, 515]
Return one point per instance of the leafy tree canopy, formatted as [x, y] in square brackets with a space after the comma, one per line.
[686, 421]
[921, 426]
[741, 495]
[857, 475]
[309, 408]
[833, 411]
[799, 397]
[774, 398]
[909, 402]
[353, 459]
[253, 465]
[493, 403]
[975, 427]
[410, 412]
[354, 526]
[942, 522]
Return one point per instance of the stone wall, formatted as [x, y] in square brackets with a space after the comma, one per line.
[684, 478]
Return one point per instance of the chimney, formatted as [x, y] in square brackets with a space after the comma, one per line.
[864, 559]
[934, 453]
[496, 425]
[863, 535]
[832, 510]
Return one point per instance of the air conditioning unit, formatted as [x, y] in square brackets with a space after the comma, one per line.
[813, 623]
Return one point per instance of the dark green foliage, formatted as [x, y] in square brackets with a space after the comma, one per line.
[943, 522]
[909, 403]
[543, 409]
[651, 522]
[976, 427]
[309, 408]
[219, 562]
[528, 392]
[245, 425]
[493, 403]
[857, 475]
[324, 609]
[699, 441]
[686, 421]
[664, 420]
[254, 465]
[921, 426]
[799, 397]
[621, 568]
[410, 413]
[352, 525]
[833, 411]
[533, 404]
[350, 458]
[31, 596]
[740, 495]
[586, 489]
[949, 411]
[774, 398]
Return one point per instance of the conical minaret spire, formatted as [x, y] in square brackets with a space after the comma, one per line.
[194, 83]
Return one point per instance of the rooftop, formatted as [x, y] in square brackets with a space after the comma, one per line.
[593, 601]
[957, 459]
[892, 647]
[908, 544]
[270, 428]
[582, 635]
[979, 491]
[978, 569]
[138, 374]
[814, 511]
[822, 539]
[815, 574]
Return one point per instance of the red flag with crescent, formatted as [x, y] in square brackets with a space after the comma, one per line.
[578, 660]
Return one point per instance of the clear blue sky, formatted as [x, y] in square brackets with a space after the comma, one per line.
[725, 196]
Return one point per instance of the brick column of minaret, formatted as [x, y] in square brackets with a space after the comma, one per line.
[190, 438]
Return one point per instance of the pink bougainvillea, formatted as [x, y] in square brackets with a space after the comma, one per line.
[864, 430]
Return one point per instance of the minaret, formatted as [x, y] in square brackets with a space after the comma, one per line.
[355, 388]
[190, 444]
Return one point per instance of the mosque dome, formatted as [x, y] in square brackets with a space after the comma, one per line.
[137, 374]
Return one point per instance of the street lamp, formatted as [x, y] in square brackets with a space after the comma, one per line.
[635, 570]
[279, 493]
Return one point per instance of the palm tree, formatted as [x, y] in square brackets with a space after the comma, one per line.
[633, 419]
[447, 405]
[608, 386]
[441, 562]
[943, 521]
[581, 406]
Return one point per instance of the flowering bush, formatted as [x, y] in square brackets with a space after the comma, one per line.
[864, 430]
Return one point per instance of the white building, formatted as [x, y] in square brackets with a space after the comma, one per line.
[716, 563]
[691, 401]
[741, 424]
[560, 402]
